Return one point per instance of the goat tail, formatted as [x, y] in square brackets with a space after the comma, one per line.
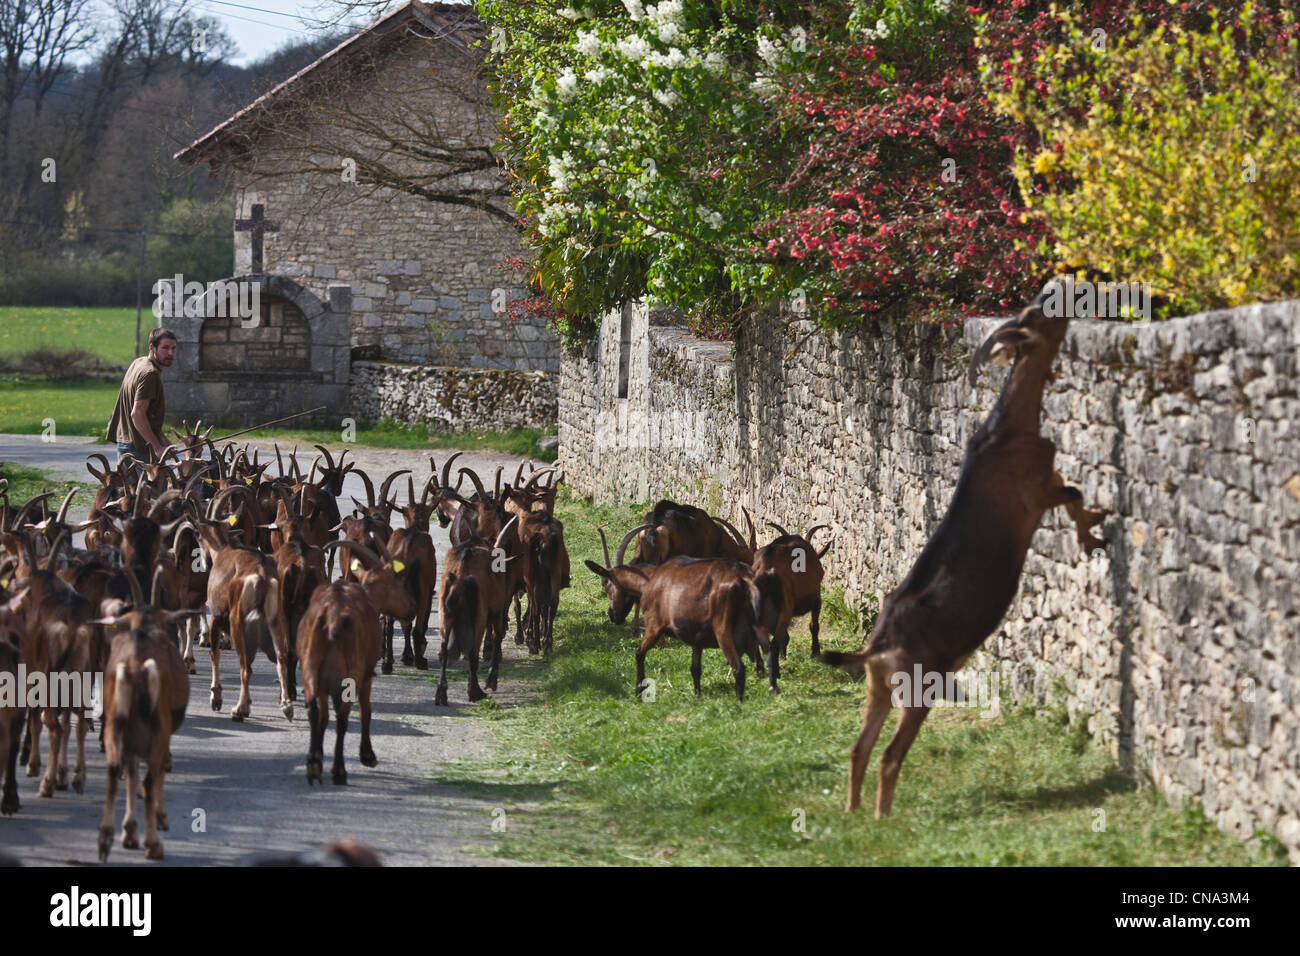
[153, 680]
[741, 598]
[122, 694]
[248, 604]
[461, 607]
[855, 664]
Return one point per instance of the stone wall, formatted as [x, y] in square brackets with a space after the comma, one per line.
[1178, 645]
[453, 399]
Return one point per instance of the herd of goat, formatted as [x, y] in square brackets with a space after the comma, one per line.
[216, 540]
[212, 548]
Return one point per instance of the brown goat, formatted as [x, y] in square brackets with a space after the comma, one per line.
[967, 575]
[704, 602]
[146, 693]
[477, 585]
[799, 566]
[339, 643]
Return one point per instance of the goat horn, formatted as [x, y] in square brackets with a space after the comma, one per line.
[446, 469]
[1000, 336]
[603, 543]
[100, 476]
[63, 508]
[532, 479]
[360, 507]
[139, 497]
[383, 489]
[477, 482]
[62, 536]
[779, 530]
[137, 596]
[496, 488]
[168, 496]
[519, 475]
[502, 533]
[457, 524]
[155, 595]
[808, 535]
[749, 523]
[410, 489]
[329, 459]
[622, 545]
[369, 557]
[732, 528]
[279, 461]
[370, 488]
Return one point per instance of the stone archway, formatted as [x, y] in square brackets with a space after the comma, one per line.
[237, 371]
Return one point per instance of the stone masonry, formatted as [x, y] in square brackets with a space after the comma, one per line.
[453, 399]
[1180, 645]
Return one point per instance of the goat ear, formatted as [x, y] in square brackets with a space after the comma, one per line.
[596, 568]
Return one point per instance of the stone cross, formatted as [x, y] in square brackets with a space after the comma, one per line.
[258, 225]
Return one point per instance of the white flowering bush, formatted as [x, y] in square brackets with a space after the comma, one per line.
[644, 148]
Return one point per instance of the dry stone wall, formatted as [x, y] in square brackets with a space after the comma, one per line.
[1180, 646]
[453, 399]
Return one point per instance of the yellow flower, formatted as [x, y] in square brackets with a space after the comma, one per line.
[1046, 163]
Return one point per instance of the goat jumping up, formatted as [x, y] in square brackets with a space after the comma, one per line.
[967, 575]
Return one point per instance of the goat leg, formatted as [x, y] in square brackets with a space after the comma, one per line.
[891, 761]
[50, 717]
[408, 658]
[31, 755]
[79, 771]
[317, 716]
[10, 803]
[214, 655]
[106, 821]
[387, 666]
[440, 695]
[130, 831]
[697, 667]
[1084, 519]
[153, 848]
[873, 719]
[341, 710]
[368, 758]
[244, 653]
[814, 626]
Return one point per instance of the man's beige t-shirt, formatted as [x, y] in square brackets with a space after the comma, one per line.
[143, 382]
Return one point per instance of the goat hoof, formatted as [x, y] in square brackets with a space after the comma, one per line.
[154, 850]
[216, 700]
[191, 668]
[167, 763]
[368, 759]
[440, 697]
[105, 843]
[340, 776]
[10, 805]
[286, 708]
[79, 781]
[476, 693]
[407, 658]
[314, 768]
[129, 841]
[236, 716]
[61, 779]
[387, 667]
[773, 689]
[46, 789]
[160, 819]
[421, 664]
[33, 769]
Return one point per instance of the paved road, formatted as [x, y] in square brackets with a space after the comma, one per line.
[249, 779]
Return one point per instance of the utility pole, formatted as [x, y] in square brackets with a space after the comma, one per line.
[139, 290]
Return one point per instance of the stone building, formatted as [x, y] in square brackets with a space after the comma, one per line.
[315, 162]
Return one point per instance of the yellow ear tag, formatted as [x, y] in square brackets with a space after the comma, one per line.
[248, 481]
[355, 565]
[399, 567]
[207, 481]
[4, 582]
[232, 520]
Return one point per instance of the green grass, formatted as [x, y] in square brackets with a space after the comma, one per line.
[78, 408]
[589, 774]
[25, 483]
[106, 332]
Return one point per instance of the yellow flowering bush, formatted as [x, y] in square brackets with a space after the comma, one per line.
[1170, 156]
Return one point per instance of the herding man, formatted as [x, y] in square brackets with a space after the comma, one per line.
[137, 421]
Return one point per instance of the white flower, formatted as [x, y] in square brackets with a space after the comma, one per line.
[588, 44]
[596, 76]
[570, 14]
[544, 120]
[666, 97]
[560, 168]
[566, 87]
[943, 6]
[673, 59]
[634, 9]
[715, 62]
[709, 217]
[763, 86]
[881, 31]
[634, 48]
[770, 51]
[668, 32]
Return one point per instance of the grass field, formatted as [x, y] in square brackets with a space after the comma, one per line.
[25, 483]
[78, 408]
[106, 332]
[589, 774]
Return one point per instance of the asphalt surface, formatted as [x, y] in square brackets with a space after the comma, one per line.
[238, 791]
